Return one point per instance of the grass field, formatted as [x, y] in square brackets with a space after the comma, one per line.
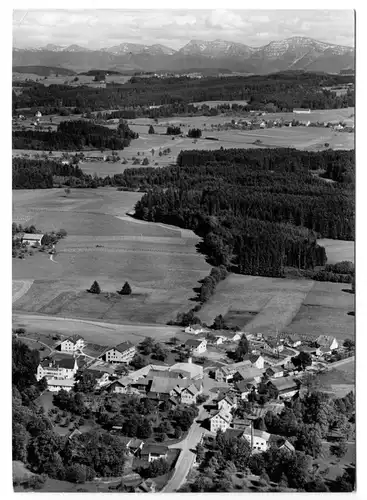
[161, 263]
[268, 304]
[337, 250]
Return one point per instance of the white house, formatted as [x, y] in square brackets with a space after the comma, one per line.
[260, 439]
[195, 329]
[55, 385]
[32, 239]
[189, 394]
[196, 346]
[153, 452]
[226, 404]
[72, 344]
[220, 421]
[58, 369]
[122, 353]
[293, 340]
[327, 341]
[301, 110]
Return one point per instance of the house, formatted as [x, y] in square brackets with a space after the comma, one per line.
[327, 341]
[101, 377]
[135, 446]
[227, 372]
[262, 125]
[38, 114]
[57, 369]
[260, 439]
[72, 344]
[120, 386]
[248, 374]
[301, 110]
[146, 486]
[229, 336]
[196, 346]
[273, 345]
[290, 368]
[122, 353]
[293, 340]
[316, 351]
[256, 360]
[32, 239]
[189, 394]
[162, 388]
[244, 388]
[220, 421]
[287, 387]
[195, 329]
[226, 403]
[151, 452]
[75, 432]
[275, 372]
[281, 443]
[55, 385]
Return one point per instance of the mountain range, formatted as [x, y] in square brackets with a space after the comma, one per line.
[297, 53]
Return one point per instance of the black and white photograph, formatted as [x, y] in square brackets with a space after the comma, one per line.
[183, 250]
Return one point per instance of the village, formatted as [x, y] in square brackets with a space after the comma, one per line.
[272, 371]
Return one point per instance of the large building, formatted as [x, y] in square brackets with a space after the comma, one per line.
[72, 344]
[122, 353]
[57, 369]
[32, 239]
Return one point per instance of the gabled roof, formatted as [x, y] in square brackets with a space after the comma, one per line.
[136, 443]
[257, 433]
[249, 372]
[61, 383]
[275, 369]
[124, 346]
[30, 236]
[285, 383]
[234, 433]
[223, 415]
[193, 342]
[226, 397]
[191, 388]
[325, 340]
[157, 449]
[187, 369]
[244, 386]
[165, 374]
[74, 338]
[67, 363]
[280, 441]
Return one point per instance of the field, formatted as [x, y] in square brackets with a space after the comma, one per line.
[103, 243]
[268, 305]
[337, 250]
[64, 79]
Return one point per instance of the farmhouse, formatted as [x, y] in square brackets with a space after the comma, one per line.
[275, 372]
[196, 346]
[281, 443]
[122, 353]
[245, 388]
[226, 403]
[248, 373]
[220, 420]
[32, 239]
[151, 452]
[327, 341]
[189, 394]
[293, 340]
[188, 370]
[72, 344]
[243, 369]
[287, 387]
[273, 346]
[147, 486]
[195, 329]
[121, 386]
[61, 369]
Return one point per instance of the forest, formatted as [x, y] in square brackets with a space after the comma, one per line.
[75, 135]
[258, 211]
[277, 92]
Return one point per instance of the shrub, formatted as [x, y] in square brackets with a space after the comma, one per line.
[95, 288]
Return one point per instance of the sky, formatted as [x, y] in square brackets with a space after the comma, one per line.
[96, 29]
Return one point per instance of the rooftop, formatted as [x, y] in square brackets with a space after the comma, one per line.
[67, 363]
[74, 338]
[193, 342]
[154, 448]
[285, 383]
[62, 383]
[30, 236]
[124, 346]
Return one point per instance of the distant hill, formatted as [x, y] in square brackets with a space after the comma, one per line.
[43, 70]
[299, 53]
[94, 72]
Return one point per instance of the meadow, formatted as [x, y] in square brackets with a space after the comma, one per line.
[338, 250]
[160, 263]
[268, 305]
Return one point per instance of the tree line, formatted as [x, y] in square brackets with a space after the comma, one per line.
[75, 135]
[282, 91]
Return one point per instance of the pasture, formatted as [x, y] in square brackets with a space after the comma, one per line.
[268, 305]
[104, 244]
[67, 80]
